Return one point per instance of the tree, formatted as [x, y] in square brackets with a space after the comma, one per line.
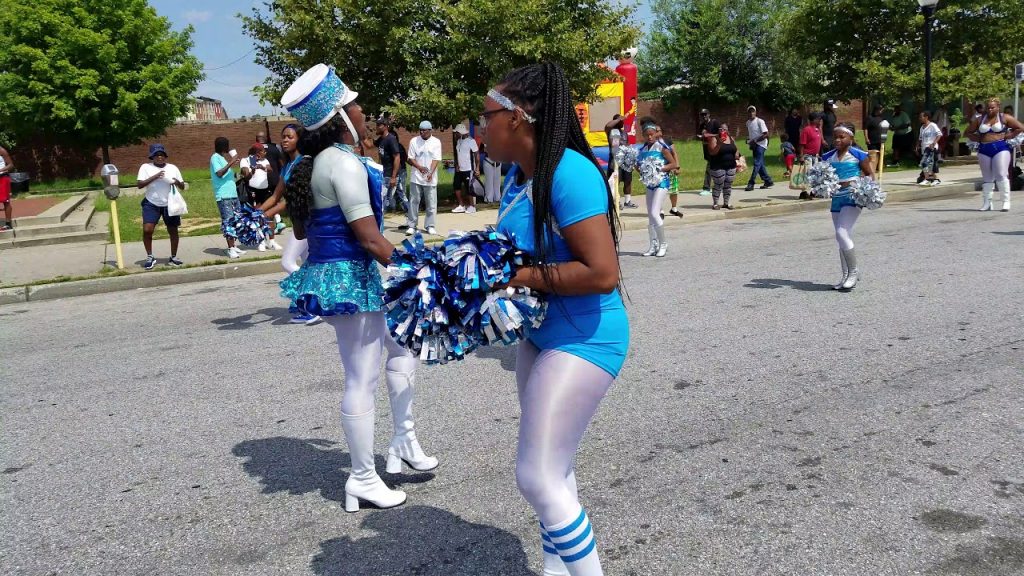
[876, 47]
[434, 58]
[712, 50]
[91, 73]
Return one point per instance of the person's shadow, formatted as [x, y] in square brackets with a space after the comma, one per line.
[424, 541]
[772, 283]
[276, 316]
[506, 354]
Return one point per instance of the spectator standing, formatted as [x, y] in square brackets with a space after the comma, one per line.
[492, 174]
[274, 155]
[792, 126]
[615, 128]
[467, 166]
[424, 157]
[390, 153]
[6, 166]
[810, 138]
[788, 153]
[873, 129]
[158, 178]
[828, 124]
[673, 188]
[928, 147]
[903, 134]
[722, 154]
[222, 178]
[703, 131]
[757, 139]
[941, 119]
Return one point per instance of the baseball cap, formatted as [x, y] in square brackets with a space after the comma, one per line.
[155, 149]
[461, 129]
[751, 108]
[705, 112]
[426, 125]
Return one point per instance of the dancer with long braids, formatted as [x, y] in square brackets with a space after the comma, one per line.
[850, 163]
[338, 199]
[654, 149]
[558, 207]
[991, 130]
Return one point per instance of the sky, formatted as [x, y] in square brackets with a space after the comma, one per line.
[226, 52]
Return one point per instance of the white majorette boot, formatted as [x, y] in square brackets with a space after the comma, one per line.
[654, 241]
[404, 446]
[851, 264]
[364, 483]
[986, 196]
[662, 244]
[846, 272]
[1004, 187]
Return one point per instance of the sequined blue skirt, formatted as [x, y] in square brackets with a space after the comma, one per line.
[334, 288]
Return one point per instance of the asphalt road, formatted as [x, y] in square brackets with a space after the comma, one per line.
[763, 424]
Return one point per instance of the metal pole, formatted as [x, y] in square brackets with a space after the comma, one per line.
[929, 11]
[117, 234]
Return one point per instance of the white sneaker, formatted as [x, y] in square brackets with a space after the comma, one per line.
[410, 231]
[470, 209]
[432, 231]
[239, 251]
[273, 245]
[232, 253]
[262, 247]
[459, 210]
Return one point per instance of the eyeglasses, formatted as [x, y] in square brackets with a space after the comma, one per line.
[489, 113]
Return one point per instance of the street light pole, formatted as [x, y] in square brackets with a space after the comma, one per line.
[928, 9]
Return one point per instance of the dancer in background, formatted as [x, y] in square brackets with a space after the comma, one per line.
[850, 163]
[558, 206]
[655, 149]
[991, 130]
[340, 280]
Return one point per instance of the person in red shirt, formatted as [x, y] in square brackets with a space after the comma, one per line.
[810, 137]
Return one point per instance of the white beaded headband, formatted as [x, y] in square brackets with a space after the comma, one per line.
[844, 129]
[508, 104]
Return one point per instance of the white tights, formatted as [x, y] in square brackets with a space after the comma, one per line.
[362, 339]
[655, 199]
[294, 252]
[843, 223]
[558, 396]
[995, 168]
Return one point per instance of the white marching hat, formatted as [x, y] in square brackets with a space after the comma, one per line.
[317, 96]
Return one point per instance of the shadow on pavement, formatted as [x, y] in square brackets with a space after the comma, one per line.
[1017, 233]
[304, 465]
[276, 316]
[507, 355]
[772, 283]
[425, 541]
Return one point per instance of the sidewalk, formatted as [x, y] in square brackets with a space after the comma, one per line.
[33, 264]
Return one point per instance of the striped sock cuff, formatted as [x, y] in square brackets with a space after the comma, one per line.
[572, 540]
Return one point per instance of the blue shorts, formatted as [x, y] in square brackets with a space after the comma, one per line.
[844, 198]
[151, 214]
[227, 208]
[991, 149]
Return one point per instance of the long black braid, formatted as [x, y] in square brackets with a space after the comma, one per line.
[298, 192]
[543, 91]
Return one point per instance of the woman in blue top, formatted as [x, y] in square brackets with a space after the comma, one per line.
[337, 197]
[557, 206]
[849, 163]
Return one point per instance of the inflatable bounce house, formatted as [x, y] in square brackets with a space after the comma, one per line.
[618, 96]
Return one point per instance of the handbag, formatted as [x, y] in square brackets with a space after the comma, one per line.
[741, 164]
[476, 188]
[176, 205]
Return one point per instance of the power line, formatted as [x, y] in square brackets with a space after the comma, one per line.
[235, 61]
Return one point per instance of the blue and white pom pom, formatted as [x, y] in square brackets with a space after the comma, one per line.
[506, 315]
[868, 194]
[1016, 140]
[651, 173]
[480, 260]
[972, 145]
[625, 157]
[822, 179]
[248, 225]
[419, 305]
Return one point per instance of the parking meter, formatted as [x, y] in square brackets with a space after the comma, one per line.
[112, 189]
[110, 184]
[885, 130]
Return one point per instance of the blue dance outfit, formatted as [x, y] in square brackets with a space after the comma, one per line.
[593, 327]
[338, 276]
[654, 151]
[847, 170]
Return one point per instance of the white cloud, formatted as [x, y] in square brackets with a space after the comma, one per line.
[197, 16]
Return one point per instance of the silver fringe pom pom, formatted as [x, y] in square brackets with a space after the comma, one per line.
[625, 157]
[868, 194]
[1016, 140]
[650, 172]
[822, 179]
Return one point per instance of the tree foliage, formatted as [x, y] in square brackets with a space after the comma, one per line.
[715, 50]
[876, 47]
[91, 73]
[434, 58]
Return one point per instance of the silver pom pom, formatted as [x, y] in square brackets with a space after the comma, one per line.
[868, 194]
[650, 172]
[625, 157]
[822, 179]
[1016, 140]
[972, 145]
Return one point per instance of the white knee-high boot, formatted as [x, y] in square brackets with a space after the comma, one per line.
[986, 196]
[364, 483]
[652, 232]
[404, 445]
[846, 271]
[1004, 186]
[854, 273]
[662, 244]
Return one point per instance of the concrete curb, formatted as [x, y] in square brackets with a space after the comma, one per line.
[897, 193]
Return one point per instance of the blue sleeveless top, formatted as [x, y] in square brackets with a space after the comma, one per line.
[328, 234]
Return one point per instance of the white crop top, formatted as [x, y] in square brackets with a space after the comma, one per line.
[339, 179]
[997, 128]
